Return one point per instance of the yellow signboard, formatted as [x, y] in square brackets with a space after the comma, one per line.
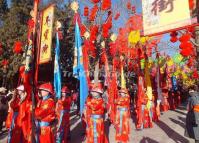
[164, 15]
[46, 34]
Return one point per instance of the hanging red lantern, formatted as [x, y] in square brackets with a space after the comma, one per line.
[128, 5]
[86, 11]
[93, 13]
[4, 62]
[106, 4]
[94, 1]
[185, 37]
[186, 51]
[17, 47]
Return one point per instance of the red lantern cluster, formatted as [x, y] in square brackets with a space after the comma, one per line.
[174, 37]
[17, 47]
[86, 11]
[106, 4]
[93, 13]
[186, 46]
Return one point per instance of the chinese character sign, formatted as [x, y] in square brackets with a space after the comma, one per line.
[163, 15]
[46, 35]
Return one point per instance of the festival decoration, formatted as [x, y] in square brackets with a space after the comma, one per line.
[17, 47]
[4, 62]
[86, 11]
[93, 13]
[106, 4]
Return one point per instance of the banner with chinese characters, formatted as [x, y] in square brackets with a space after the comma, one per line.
[163, 15]
[46, 35]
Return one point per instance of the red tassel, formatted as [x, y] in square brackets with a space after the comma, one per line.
[93, 13]
[86, 11]
[106, 4]
[17, 47]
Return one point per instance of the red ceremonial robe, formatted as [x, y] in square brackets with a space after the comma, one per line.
[63, 115]
[45, 114]
[122, 119]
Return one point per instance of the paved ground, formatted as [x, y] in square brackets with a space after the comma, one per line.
[170, 129]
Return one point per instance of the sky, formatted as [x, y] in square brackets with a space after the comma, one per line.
[120, 6]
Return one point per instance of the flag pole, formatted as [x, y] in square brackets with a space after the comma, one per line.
[35, 68]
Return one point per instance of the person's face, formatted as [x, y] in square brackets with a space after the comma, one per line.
[44, 93]
[95, 94]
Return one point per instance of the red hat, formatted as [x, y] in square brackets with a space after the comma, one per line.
[46, 87]
[96, 87]
[65, 89]
[123, 90]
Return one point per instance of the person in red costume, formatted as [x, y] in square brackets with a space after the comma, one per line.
[63, 115]
[13, 120]
[122, 116]
[45, 114]
[95, 106]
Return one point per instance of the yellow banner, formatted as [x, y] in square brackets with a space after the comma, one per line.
[164, 15]
[46, 34]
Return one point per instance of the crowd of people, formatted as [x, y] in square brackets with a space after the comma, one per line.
[52, 116]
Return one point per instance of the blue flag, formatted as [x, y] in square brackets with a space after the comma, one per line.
[57, 71]
[78, 68]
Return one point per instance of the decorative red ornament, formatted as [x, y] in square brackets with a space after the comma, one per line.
[94, 1]
[82, 29]
[117, 16]
[186, 52]
[191, 4]
[4, 62]
[93, 32]
[113, 49]
[185, 37]
[195, 74]
[174, 39]
[31, 23]
[93, 13]
[106, 4]
[184, 45]
[86, 11]
[128, 5]
[17, 47]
